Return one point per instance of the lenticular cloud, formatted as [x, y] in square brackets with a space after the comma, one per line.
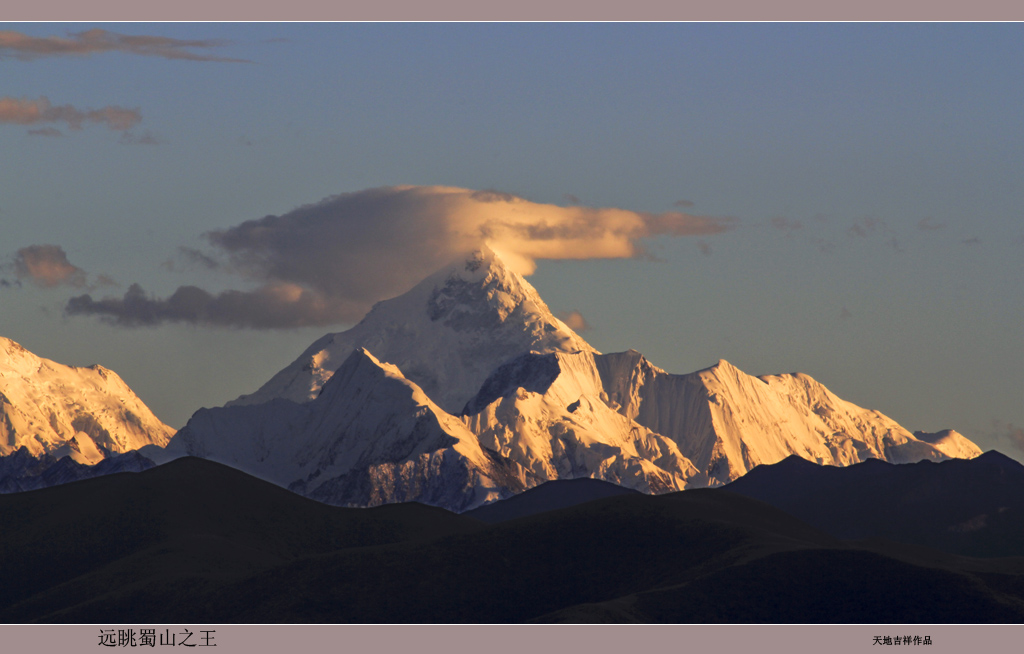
[328, 262]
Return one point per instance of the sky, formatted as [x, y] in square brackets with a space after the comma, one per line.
[192, 204]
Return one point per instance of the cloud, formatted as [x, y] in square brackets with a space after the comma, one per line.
[571, 199]
[105, 280]
[929, 224]
[575, 321]
[705, 248]
[193, 258]
[328, 262]
[94, 41]
[271, 306]
[47, 266]
[682, 204]
[33, 112]
[974, 240]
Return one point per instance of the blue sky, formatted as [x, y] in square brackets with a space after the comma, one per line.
[869, 174]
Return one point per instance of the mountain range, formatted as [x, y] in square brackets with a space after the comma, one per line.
[467, 389]
[85, 414]
[505, 471]
[462, 391]
[969, 507]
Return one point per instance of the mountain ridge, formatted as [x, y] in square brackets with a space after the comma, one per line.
[446, 334]
[370, 437]
[85, 413]
[528, 400]
[212, 545]
[972, 507]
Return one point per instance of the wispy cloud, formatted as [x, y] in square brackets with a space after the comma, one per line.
[974, 240]
[575, 321]
[46, 266]
[682, 204]
[22, 46]
[311, 265]
[704, 247]
[21, 111]
[191, 258]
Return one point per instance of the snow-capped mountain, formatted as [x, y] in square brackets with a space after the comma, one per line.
[550, 414]
[467, 389]
[371, 437]
[726, 421]
[63, 411]
[446, 334]
[950, 442]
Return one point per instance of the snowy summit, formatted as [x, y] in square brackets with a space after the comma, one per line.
[466, 389]
[62, 411]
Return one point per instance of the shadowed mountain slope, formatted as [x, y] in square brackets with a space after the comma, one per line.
[194, 541]
[973, 507]
[549, 496]
[190, 518]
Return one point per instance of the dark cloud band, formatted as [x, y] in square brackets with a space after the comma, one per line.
[270, 307]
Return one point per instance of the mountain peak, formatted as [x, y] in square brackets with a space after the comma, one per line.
[1001, 460]
[446, 334]
[81, 412]
[950, 442]
[723, 367]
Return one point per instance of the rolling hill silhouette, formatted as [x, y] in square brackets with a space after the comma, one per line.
[973, 507]
[195, 541]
